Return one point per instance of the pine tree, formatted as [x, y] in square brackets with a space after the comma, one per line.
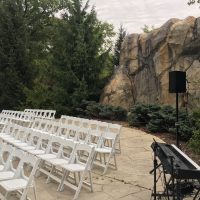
[23, 46]
[118, 44]
[81, 53]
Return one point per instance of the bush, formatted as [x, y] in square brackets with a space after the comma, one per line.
[140, 114]
[93, 109]
[194, 142]
[187, 126]
[112, 112]
[161, 120]
[157, 118]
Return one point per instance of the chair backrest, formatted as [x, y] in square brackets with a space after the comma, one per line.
[109, 136]
[94, 124]
[85, 123]
[55, 145]
[32, 163]
[63, 119]
[115, 128]
[7, 129]
[103, 126]
[68, 150]
[13, 160]
[5, 149]
[84, 155]
[63, 130]
[43, 141]
[94, 137]
[82, 135]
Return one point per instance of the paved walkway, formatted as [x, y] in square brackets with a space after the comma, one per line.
[131, 180]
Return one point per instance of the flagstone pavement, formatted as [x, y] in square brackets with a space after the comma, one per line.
[131, 181]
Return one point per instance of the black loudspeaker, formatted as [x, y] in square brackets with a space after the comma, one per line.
[177, 82]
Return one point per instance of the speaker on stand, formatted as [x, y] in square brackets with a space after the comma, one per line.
[177, 84]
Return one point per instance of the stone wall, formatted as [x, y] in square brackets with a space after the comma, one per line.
[146, 60]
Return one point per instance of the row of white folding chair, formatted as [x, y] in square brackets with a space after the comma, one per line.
[57, 158]
[45, 114]
[103, 141]
[45, 126]
[13, 178]
[94, 124]
[18, 116]
[68, 158]
[3, 121]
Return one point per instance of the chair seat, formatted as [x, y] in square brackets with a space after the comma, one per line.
[103, 150]
[47, 156]
[14, 141]
[1, 167]
[8, 140]
[14, 184]
[27, 148]
[6, 136]
[58, 161]
[6, 175]
[73, 167]
[36, 151]
[21, 144]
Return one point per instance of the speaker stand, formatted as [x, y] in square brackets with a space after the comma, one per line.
[177, 122]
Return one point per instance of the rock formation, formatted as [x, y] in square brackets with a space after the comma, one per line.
[146, 60]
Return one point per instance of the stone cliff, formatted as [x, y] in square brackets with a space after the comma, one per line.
[146, 60]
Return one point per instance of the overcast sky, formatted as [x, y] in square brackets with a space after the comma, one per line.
[133, 14]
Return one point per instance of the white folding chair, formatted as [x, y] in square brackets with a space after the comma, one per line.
[53, 151]
[5, 149]
[94, 124]
[42, 145]
[116, 128]
[103, 126]
[33, 140]
[21, 182]
[12, 135]
[8, 171]
[65, 155]
[81, 166]
[104, 150]
[94, 138]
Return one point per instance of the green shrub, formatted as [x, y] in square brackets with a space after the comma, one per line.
[93, 109]
[186, 126]
[113, 113]
[194, 142]
[161, 120]
[157, 118]
[140, 114]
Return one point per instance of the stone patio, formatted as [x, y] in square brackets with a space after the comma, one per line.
[131, 181]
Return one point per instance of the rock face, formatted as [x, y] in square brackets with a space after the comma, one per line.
[145, 62]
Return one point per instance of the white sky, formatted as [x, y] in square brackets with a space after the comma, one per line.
[133, 14]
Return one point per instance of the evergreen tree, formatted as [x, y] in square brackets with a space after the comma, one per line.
[81, 55]
[191, 2]
[118, 44]
[23, 46]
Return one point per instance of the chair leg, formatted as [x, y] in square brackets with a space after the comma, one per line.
[79, 186]
[91, 183]
[107, 164]
[61, 185]
[115, 161]
[24, 194]
[35, 191]
[49, 176]
[6, 196]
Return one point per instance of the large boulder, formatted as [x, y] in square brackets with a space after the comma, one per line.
[145, 62]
